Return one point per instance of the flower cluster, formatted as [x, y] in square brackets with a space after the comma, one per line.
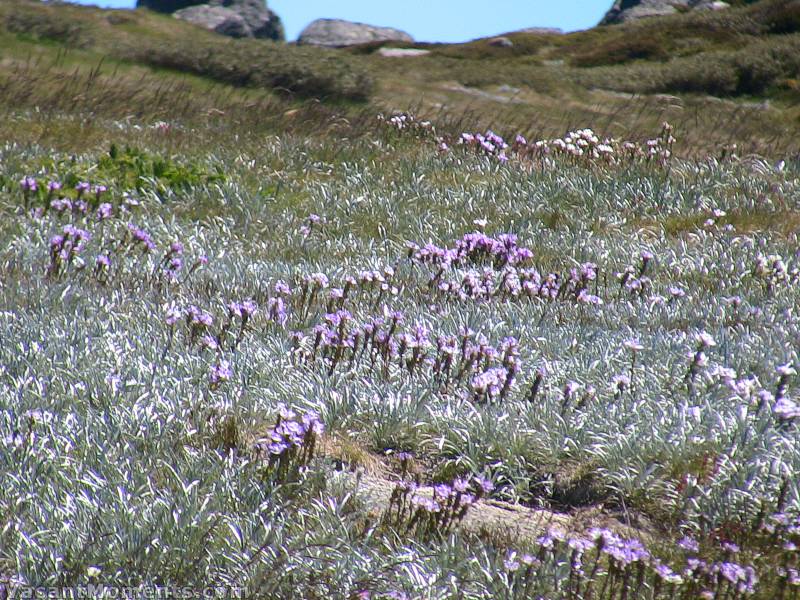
[140, 237]
[603, 564]
[494, 382]
[582, 145]
[85, 207]
[408, 123]
[220, 372]
[85, 197]
[65, 248]
[504, 275]
[473, 248]
[290, 444]
[339, 340]
[172, 261]
[428, 515]
[312, 221]
[513, 283]
[785, 408]
[490, 144]
[240, 312]
[198, 321]
[579, 143]
[199, 325]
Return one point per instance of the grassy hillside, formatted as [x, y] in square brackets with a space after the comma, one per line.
[721, 78]
[258, 343]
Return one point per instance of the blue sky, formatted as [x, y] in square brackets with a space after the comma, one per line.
[434, 20]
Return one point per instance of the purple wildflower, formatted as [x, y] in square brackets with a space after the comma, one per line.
[104, 211]
[786, 409]
[584, 297]
[174, 314]
[199, 318]
[485, 485]
[665, 573]
[141, 236]
[28, 184]
[61, 204]
[425, 503]
[175, 264]
[220, 372]
[511, 563]
[208, 341]
[235, 309]
[460, 485]
[689, 544]
[82, 187]
[442, 491]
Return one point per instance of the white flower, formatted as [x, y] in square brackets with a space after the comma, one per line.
[633, 345]
[705, 340]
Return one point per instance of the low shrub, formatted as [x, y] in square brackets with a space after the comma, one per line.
[296, 71]
[43, 25]
[750, 71]
[621, 50]
[780, 17]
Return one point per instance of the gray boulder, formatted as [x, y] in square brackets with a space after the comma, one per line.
[501, 42]
[711, 5]
[335, 33]
[628, 10]
[235, 18]
[217, 18]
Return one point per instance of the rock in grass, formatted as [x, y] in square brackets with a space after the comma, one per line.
[501, 42]
[336, 33]
[628, 10]
[402, 52]
[235, 18]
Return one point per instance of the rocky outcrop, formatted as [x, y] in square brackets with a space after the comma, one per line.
[235, 18]
[628, 10]
[335, 33]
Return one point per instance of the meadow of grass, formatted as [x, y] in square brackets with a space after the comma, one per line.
[594, 328]
[298, 349]
[735, 74]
